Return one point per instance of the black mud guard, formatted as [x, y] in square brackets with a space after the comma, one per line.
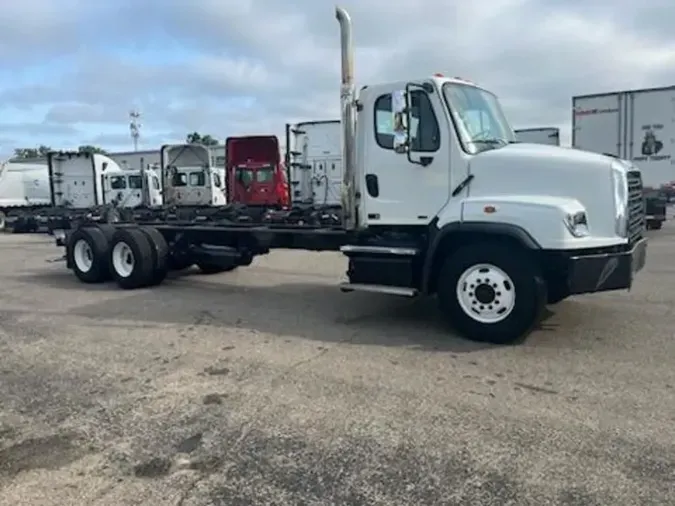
[437, 236]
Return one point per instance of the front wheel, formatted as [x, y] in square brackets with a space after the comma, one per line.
[491, 293]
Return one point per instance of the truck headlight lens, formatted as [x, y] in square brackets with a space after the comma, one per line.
[577, 223]
[620, 190]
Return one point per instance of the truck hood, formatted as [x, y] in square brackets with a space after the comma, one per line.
[525, 154]
[540, 170]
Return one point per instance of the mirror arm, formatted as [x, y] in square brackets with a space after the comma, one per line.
[424, 161]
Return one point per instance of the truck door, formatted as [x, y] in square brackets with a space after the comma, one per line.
[118, 188]
[134, 197]
[396, 190]
[153, 189]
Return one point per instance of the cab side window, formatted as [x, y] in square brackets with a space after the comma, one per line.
[424, 128]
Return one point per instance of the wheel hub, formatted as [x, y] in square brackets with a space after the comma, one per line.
[486, 293]
[123, 259]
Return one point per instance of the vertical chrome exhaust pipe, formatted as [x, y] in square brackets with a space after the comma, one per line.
[348, 118]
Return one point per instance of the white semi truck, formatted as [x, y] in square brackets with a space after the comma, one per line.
[543, 135]
[437, 198]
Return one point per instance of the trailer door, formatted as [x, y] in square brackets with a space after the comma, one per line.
[597, 123]
[652, 134]
[315, 161]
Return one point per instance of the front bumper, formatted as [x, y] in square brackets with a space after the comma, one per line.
[606, 271]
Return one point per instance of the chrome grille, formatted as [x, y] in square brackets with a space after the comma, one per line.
[636, 206]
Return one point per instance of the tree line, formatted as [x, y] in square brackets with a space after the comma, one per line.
[42, 150]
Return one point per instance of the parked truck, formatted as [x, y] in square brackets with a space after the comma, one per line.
[24, 189]
[637, 125]
[255, 173]
[437, 198]
[544, 135]
[189, 179]
[94, 187]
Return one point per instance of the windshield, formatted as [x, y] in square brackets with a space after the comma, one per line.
[479, 118]
[264, 175]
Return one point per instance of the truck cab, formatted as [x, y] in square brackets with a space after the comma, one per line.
[189, 179]
[438, 151]
[255, 174]
[132, 188]
[445, 201]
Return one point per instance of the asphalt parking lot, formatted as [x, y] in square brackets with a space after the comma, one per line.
[268, 385]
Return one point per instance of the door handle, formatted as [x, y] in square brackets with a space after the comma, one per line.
[372, 185]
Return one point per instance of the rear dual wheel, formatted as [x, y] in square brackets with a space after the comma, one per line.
[139, 257]
[134, 257]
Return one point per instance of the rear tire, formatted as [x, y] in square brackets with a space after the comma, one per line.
[160, 251]
[87, 254]
[131, 258]
[491, 293]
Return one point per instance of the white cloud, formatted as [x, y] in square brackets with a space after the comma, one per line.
[249, 66]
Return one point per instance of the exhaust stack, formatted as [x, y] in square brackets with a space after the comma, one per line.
[348, 118]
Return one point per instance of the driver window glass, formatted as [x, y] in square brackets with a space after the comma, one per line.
[155, 182]
[424, 127]
[216, 180]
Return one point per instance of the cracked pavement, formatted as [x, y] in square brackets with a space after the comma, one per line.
[268, 386]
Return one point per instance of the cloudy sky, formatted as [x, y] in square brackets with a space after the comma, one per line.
[72, 69]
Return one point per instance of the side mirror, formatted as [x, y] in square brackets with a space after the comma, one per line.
[401, 127]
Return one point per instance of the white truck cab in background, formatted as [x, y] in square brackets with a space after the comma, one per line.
[189, 179]
[131, 188]
[86, 181]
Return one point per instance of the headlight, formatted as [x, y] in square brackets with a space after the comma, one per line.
[620, 190]
[577, 223]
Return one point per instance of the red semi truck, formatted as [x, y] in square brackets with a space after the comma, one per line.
[255, 173]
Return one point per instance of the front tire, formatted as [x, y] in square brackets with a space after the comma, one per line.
[491, 293]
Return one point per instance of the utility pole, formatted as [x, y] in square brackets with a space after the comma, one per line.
[135, 127]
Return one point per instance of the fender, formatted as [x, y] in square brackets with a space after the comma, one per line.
[436, 237]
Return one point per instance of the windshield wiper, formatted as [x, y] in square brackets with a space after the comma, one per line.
[491, 142]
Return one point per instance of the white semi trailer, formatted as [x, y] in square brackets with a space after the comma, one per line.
[24, 188]
[635, 125]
